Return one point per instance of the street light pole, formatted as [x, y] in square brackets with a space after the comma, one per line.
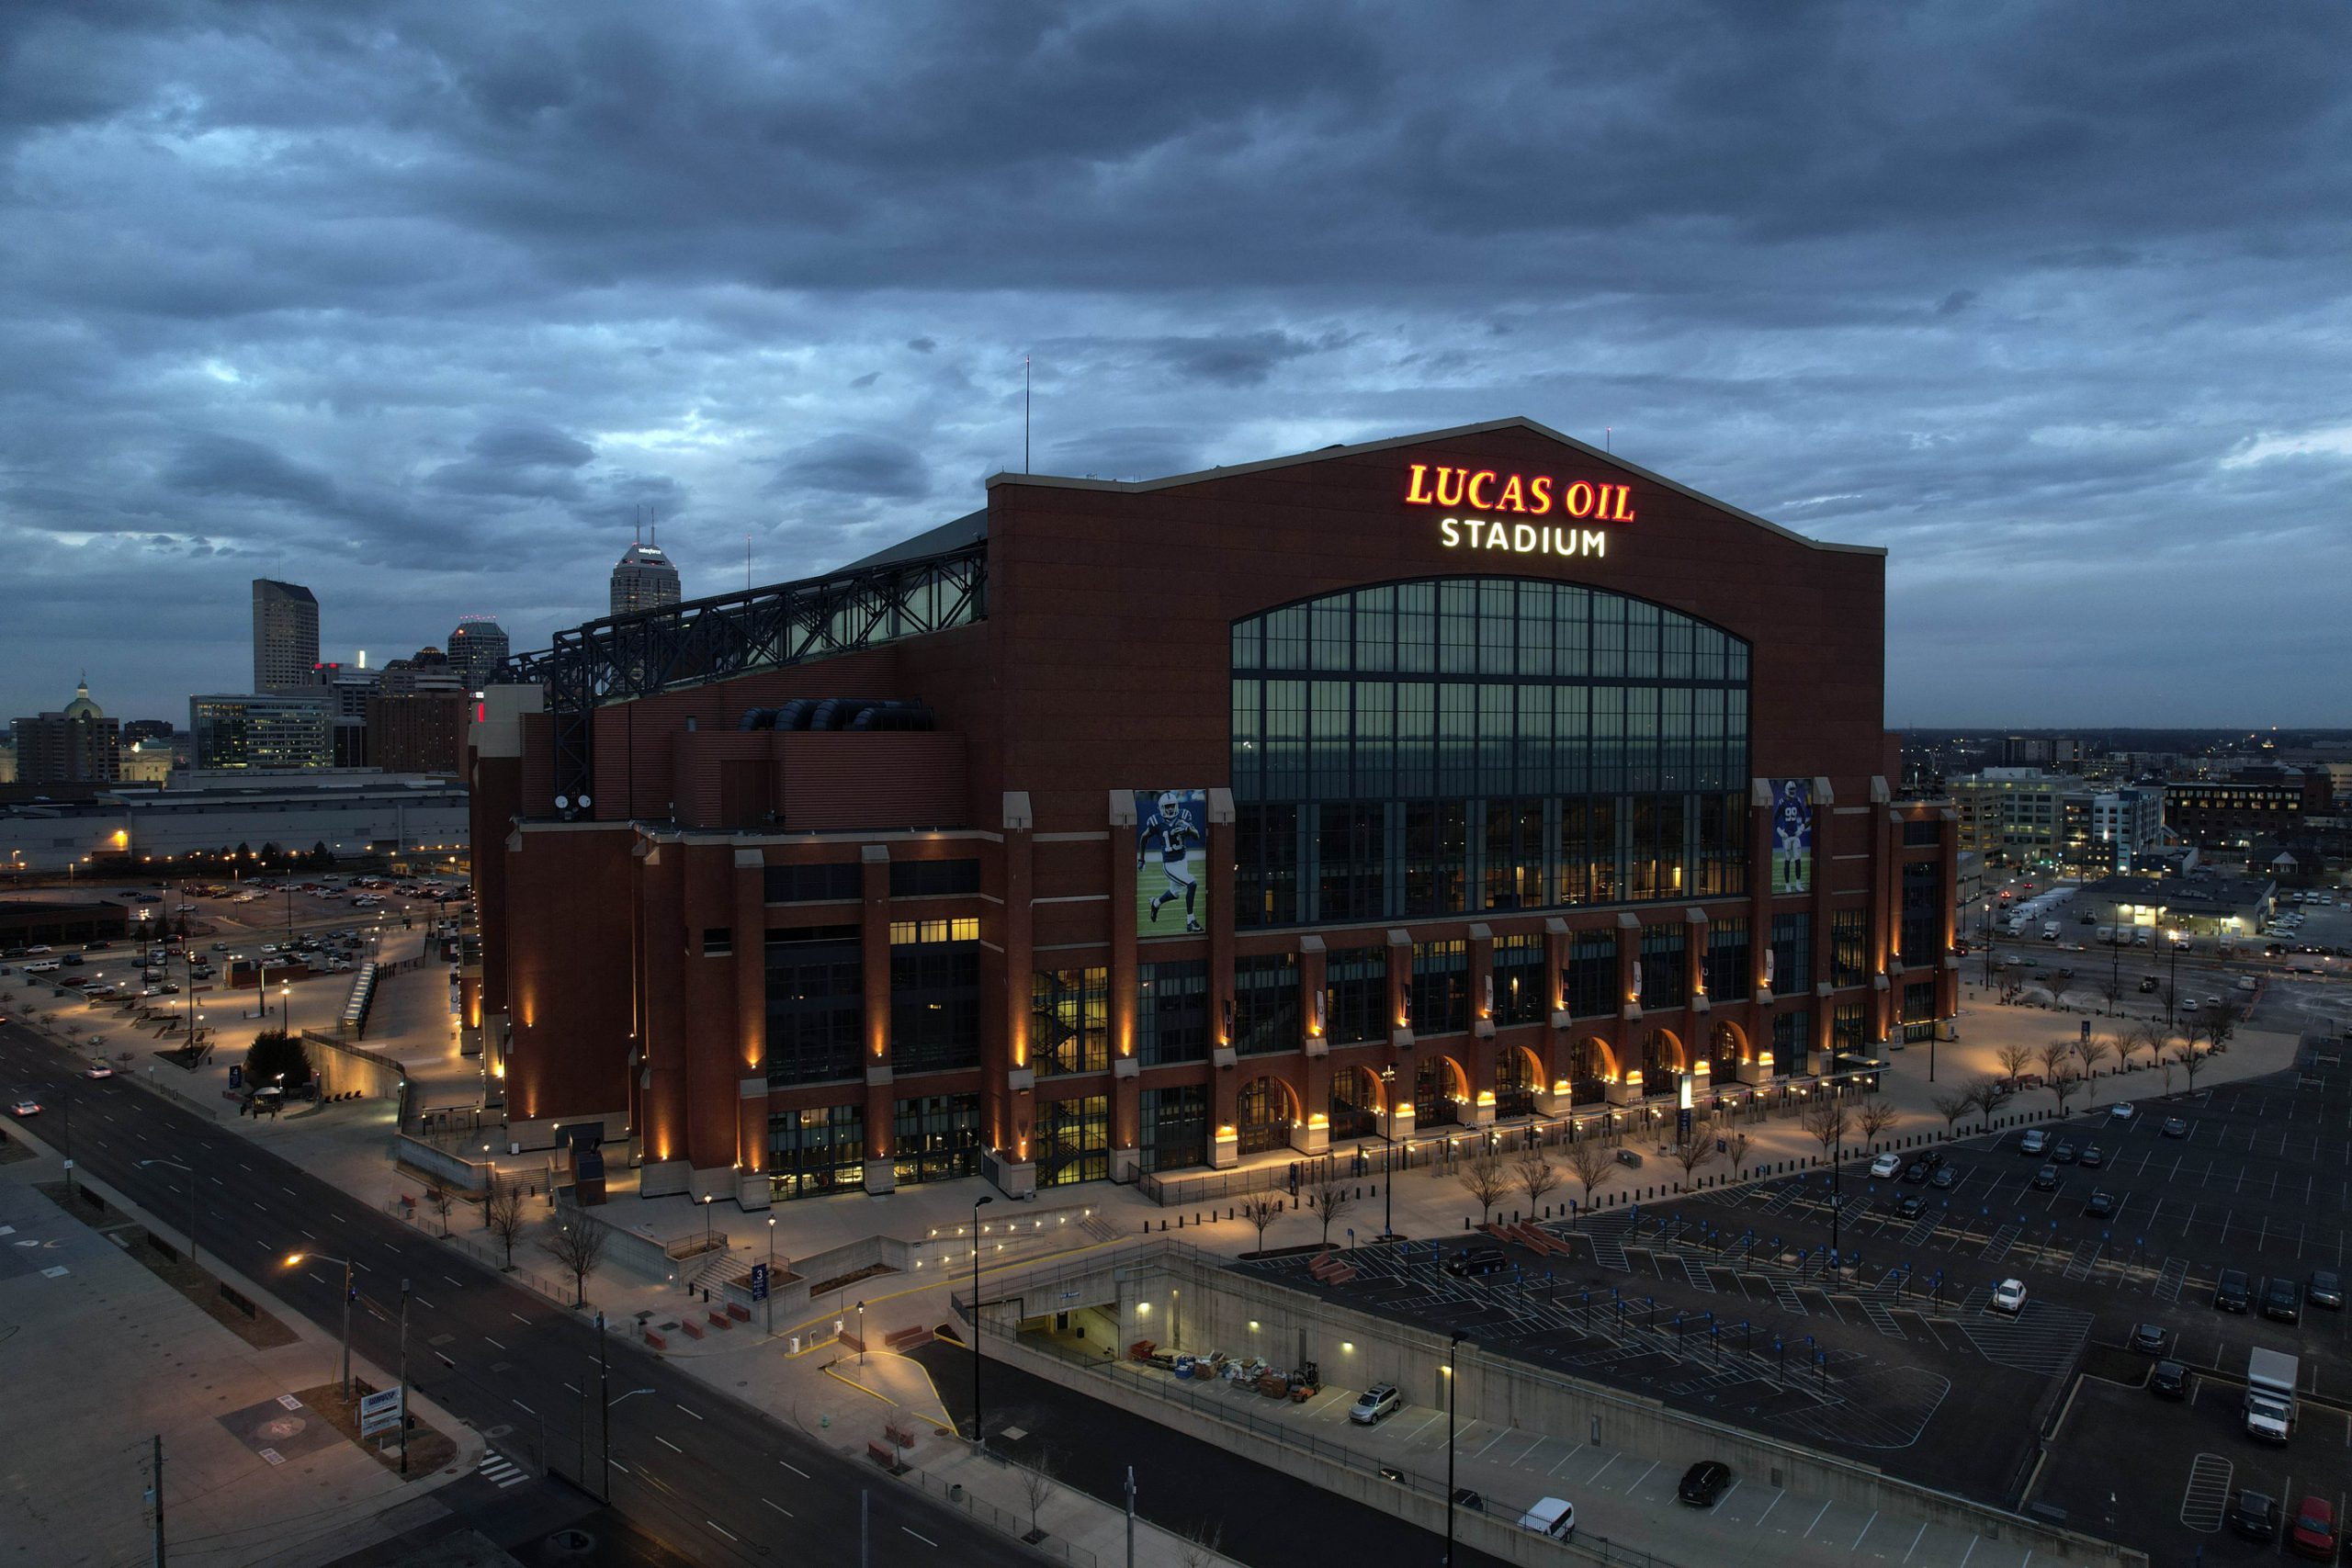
[771, 1301]
[403, 1377]
[295, 1258]
[979, 1434]
[1453, 1345]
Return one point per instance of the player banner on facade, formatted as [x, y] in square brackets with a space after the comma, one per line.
[1791, 835]
[1171, 861]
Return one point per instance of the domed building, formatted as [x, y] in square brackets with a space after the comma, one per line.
[643, 579]
[77, 744]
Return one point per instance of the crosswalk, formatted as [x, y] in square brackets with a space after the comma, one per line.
[500, 1471]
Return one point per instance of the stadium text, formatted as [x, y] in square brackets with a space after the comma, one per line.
[1521, 539]
[1529, 495]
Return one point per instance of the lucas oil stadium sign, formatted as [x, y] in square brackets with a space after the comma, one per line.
[1523, 496]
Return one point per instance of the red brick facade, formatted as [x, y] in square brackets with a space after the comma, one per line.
[1101, 668]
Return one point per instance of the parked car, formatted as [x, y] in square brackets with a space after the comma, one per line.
[2168, 1380]
[1946, 1176]
[2312, 1534]
[1912, 1206]
[2034, 1141]
[1915, 1174]
[1554, 1517]
[2148, 1339]
[1475, 1260]
[1703, 1484]
[2100, 1206]
[2323, 1292]
[1374, 1403]
[2282, 1299]
[2174, 1127]
[2229, 1292]
[1468, 1500]
[1887, 1165]
[2046, 1180]
[2010, 1296]
[2254, 1514]
[2063, 1154]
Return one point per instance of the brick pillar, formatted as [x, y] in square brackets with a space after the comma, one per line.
[1626, 1031]
[1483, 1056]
[1886, 880]
[1824, 1004]
[1008, 1076]
[665, 1168]
[1758, 1067]
[1126, 1086]
[753, 1189]
[874, 945]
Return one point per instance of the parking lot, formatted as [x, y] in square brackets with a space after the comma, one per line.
[1730, 1303]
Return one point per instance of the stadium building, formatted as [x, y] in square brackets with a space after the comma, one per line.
[1129, 826]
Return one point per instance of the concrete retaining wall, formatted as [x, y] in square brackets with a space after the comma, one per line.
[443, 1167]
[1177, 1297]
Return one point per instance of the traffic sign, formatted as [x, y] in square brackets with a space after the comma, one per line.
[379, 1412]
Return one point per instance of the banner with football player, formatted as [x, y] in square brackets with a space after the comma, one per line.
[1171, 861]
[1791, 835]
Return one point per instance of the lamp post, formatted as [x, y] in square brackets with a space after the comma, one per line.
[770, 1276]
[1388, 1155]
[183, 1170]
[294, 1257]
[861, 1333]
[979, 1434]
[1454, 1343]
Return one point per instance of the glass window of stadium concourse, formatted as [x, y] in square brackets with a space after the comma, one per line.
[1265, 1003]
[936, 1138]
[1589, 982]
[1519, 993]
[1175, 1127]
[1424, 749]
[819, 1150]
[934, 994]
[816, 1004]
[1069, 1022]
[1172, 1012]
[1073, 1140]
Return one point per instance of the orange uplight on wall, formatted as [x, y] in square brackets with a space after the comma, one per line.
[1632, 1075]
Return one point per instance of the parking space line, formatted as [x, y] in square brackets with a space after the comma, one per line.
[1579, 1448]
[1816, 1519]
[1596, 1475]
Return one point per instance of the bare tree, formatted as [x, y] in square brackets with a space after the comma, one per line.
[1951, 1105]
[2189, 1062]
[2221, 1026]
[2053, 1056]
[2091, 1053]
[1327, 1200]
[2112, 988]
[1037, 1489]
[2131, 1037]
[1536, 1175]
[1261, 1210]
[1693, 1151]
[1737, 1154]
[1875, 1117]
[2013, 1059]
[579, 1245]
[1198, 1547]
[1486, 1178]
[1828, 1122]
[1985, 1094]
[1591, 1163]
[2169, 993]
[502, 1215]
[2061, 1085]
[440, 1199]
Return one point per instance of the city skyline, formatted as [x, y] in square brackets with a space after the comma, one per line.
[1979, 290]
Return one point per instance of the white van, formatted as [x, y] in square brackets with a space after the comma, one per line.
[1554, 1517]
[2050, 930]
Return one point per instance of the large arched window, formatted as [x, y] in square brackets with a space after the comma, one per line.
[1434, 746]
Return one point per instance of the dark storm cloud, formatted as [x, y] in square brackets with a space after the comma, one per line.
[430, 306]
[854, 465]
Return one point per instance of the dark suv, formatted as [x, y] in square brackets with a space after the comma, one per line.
[2231, 1291]
[2282, 1299]
[1477, 1260]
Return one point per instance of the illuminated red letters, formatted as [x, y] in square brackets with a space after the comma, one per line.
[1529, 495]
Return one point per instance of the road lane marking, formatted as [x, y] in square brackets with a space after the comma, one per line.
[794, 1467]
[422, 1303]
[306, 1233]
[289, 1192]
[785, 1512]
[520, 1318]
[715, 1525]
[493, 1341]
[668, 1444]
[314, 1276]
[924, 1539]
[689, 1412]
[445, 1361]
[453, 1279]
[575, 1389]
[528, 1410]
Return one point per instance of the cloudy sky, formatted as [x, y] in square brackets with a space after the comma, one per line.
[425, 304]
